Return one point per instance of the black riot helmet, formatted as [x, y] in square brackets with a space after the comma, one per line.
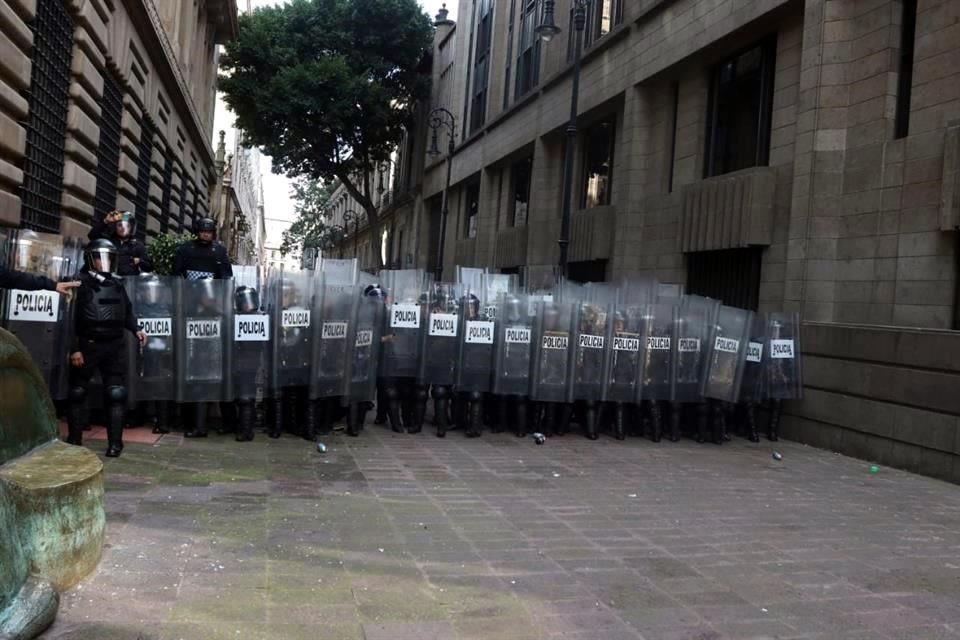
[247, 299]
[101, 256]
[204, 224]
[151, 290]
[472, 309]
[375, 291]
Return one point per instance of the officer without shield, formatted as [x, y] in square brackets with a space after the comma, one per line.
[103, 312]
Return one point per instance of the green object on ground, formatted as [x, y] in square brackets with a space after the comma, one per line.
[874, 468]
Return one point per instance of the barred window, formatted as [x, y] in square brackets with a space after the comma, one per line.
[165, 198]
[42, 188]
[108, 150]
[143, 178]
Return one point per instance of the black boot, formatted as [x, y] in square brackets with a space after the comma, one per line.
[719, 422]
[703, 414]
[381, 405]
[656, 417]
[228, 418]
[676, 411]
[520, 415]
[393, 407]
[354, 419]
[76, 415]
[161, 424]
[750, 409]
[199, 429]
[309, 431]
[773, 431]
[474, 414]
[441, 400]
[590, 420]
[275, 423]
[245, 410]
[619, 410]
[419, 409]
[116, 396]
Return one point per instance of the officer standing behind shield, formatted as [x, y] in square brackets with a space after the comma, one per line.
[103, 312]
[120, 227]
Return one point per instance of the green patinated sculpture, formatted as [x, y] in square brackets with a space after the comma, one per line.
[51, 501]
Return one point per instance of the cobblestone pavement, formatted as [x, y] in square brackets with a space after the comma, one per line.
[391, 537]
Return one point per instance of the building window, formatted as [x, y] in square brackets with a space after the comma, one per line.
[908, 36]
[472, 209]
[506, 82]
[142, 197]
[166, 194]
[520, 174]
[481, 64]
[528, 61]
[108, 150]
[741, 102]
[183, 198]
[598, 165]
[731, 276]
[602, 17]
[42, 188]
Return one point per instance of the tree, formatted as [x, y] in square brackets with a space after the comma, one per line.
[311, 228]
[328, 87]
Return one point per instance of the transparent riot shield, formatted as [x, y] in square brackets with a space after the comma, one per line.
[753, 387]
[513, 348]
[203, 337]
[477, 336]
[291, 316]
[593, 326]
[247, 276]
[42, 320]
[251, 343]
[400, 356]
[694, 321]
[638, 290]
[334, 309]
[340, 271]
[553, 351]
[493, 286]
[440, 338]
[152, 373]
[659, 351]
[627, 338]
[784, 374]
[728, 351]
[365, 341]
[669, 293]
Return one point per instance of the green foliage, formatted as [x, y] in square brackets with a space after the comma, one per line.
[327, 87]
[162, 250]
[310, 229]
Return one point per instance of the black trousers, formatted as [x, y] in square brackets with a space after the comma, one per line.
[110, 359]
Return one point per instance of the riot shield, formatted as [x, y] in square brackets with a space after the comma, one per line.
[42, 320]
[290, 307]
[340, 271]
[784, 377]
[400, 356]
[553, 351]
[623, 368]
[593, 326]
[754, 387]
[152, 372]
[694, 321]
[659, 351]
[439, 353]
[476, 343]
[515, 328]
[727, 354]
[251, 343]
[638, 290]
[365, 341]
[669, 293]
[203, 337]
[247, 276]
[334, 308]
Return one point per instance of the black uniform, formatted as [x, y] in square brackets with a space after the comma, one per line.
[103, 312]
[127, 250]
[11, 279]
[198, 259]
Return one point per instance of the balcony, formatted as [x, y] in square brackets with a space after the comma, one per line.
[729, 211]
[591, 234]
[511, 247]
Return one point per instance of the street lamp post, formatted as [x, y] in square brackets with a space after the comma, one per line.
[442, 118]
[547, 29]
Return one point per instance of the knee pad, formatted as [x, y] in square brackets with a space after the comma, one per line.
[116, 394]
[475, 396]
[440, 392]
[78, 393]
[392, 393]
[421, 394]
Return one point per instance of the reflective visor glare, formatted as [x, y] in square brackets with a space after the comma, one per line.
[103, 259]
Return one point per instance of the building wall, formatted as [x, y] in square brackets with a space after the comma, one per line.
[128, 40]
[853, 220]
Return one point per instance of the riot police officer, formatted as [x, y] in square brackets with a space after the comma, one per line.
[203, 257]
[120, 227]
[103, 312]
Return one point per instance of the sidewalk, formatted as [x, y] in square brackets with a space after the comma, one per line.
[395, 537]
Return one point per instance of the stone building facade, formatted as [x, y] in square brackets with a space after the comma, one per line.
[776, 154]
[108, 104]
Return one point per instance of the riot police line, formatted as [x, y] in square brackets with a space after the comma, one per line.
[315, 348]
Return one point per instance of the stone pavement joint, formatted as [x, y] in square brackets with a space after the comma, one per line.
[395, 537]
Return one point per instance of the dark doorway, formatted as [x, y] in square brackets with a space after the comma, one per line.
[587, 271]
[731, 275]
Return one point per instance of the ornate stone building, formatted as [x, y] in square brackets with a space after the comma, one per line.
[108, 104]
